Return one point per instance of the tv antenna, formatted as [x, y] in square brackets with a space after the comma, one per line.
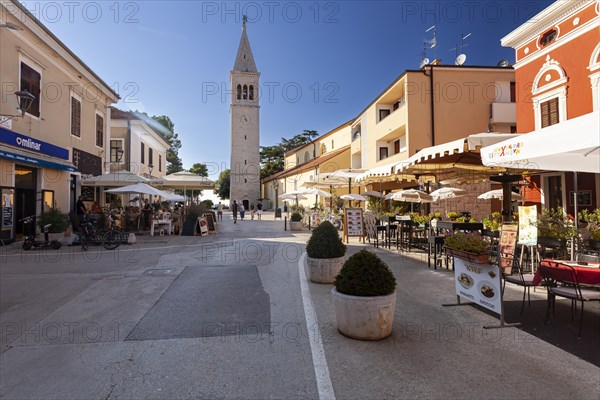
[432, 43]
[461, 57]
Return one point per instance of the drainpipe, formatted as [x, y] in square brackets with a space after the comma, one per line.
[432, 103]
[128, 145]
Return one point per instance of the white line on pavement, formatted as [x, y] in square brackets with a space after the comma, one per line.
[324, 385]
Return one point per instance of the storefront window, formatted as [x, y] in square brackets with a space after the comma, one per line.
[47, 200]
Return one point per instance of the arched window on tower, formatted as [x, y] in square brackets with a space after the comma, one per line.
[251, 93]
[306, 156]
[245, 93]
[239, 92]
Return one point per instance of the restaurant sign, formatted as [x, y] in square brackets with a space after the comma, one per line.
[479, 283]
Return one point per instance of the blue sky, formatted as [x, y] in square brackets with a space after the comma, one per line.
[321, 63]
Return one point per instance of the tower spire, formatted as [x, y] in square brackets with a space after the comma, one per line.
[244, 61]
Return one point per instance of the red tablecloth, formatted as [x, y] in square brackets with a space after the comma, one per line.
[586, 275]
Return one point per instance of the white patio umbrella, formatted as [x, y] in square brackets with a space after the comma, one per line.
[352, 196]
[373, 193]
[289, 196]
[139, 188]
[447, 193]
[119, 178]
[317, 192]
[497, 194]
[412, 196]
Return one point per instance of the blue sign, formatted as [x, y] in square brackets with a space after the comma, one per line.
[35, 161]
[37, 146]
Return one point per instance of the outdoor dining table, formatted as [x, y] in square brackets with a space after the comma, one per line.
[161, 222]
[586, 274]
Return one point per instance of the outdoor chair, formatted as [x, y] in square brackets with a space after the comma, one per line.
[518, 277]
[561, 280]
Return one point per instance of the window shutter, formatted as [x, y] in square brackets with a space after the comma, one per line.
[75, 117]
[549, 112]
[99, 131]
[553, 106]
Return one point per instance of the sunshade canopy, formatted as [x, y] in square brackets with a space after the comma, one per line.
[448, 193]
[497, 194]
[185, 180]
[411, 196]
[353, 196]
[572, 145]
[140, 188]
[120, 178]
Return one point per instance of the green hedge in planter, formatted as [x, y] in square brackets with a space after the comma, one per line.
[296, 217]
[58, 219]
[325, 242]
[365, 274]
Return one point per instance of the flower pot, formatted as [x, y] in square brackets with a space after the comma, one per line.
[295, 225]
[364, 318]
[471, 257]
[324, 270]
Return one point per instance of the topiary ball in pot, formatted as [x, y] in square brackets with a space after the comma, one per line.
[296, 217]
[364, 297]
[325, 251]
[296, 222]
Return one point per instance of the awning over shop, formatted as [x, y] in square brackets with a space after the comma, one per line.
[572, 145]
[380, 172]
[184, 180]
[459, 159]
[119, 178]
[37, 160]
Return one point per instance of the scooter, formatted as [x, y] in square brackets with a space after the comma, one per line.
[30, 241]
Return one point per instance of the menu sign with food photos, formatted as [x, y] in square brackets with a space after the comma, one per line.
[354, 224]
[479, 283]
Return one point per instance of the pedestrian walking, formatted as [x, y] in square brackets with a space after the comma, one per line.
[259, 210]
[234, 209]
[219, 212]
[242, 211]
[252, 211]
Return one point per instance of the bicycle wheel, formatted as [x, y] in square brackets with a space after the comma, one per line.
[111, 239]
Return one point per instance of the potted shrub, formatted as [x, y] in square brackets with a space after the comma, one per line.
[468, 246]
[554, 229]
[325, 251]
[591, 231]
[296, 222]
[364, 297]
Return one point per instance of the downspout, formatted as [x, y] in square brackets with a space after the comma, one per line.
[129, 145]
[432, 103]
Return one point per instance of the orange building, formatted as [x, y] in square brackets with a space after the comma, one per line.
[557, 71]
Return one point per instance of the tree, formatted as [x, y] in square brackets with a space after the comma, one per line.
[199, 169]
[272, 158]
[174, 163]
[223, 184]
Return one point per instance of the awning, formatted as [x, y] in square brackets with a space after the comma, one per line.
[380, 172]
[572, 145]
[459, 159]
[184, 180]
[118, 178]
[37, 160]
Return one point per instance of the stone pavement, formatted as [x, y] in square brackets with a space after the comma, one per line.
[225, 316]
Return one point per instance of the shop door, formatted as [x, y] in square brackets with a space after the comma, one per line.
[25, 202]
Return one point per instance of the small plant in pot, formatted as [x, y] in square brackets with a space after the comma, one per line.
[325, 251]
[296, 222]
[468, 246]
[591, 231]
[364, 297]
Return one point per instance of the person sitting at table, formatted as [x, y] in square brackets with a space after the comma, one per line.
[147, 211]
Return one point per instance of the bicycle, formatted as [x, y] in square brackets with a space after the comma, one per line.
[112, 238]
[86, 231]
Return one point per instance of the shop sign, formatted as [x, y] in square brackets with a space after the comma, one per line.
[479, 283]
[34, 145]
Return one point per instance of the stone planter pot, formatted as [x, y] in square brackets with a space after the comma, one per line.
[364, 318]
[324, 270]
[471, 257]
[295, 225]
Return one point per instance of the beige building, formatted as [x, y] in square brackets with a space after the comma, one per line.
[62, 136]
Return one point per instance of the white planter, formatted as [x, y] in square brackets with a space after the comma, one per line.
[295, 225]
[324, 270]
[364, 318]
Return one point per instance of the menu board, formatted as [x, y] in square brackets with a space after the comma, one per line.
[354, 225]
[506, 247]
[7, 216]
[203, 225]
[479, 283]
[210, 221]
[528, 225]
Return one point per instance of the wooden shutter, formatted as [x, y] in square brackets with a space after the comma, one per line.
[31, 82]
[549, 110]
[142, 155]
[75, 117]
[99, 131]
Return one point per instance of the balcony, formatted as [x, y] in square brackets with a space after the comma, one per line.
[503, 113]
[392, 122]
[355, 146]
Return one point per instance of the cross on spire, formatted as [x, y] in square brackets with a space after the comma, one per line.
[244, 20]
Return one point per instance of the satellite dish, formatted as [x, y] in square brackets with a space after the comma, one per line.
[424, 62]
[460, 60]
[503, 63]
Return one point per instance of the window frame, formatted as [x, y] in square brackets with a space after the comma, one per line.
[142, 153]
[110, 150]
[101, 116]
[36, 92]
[75, 98]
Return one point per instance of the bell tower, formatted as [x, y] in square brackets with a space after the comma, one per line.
[245, 128]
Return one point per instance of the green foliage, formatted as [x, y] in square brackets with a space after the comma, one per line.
[555, 223]
[592, 221]
[325, 242]
[174, 163]
[58, 219]
[297, 209]
[464, 218]
[469, 242]
[493, 222]
[199, 169]
[208, 203]
[296, 217]
[194, 212]
[453, 214]
[223, 184]
[365, 274]
[423, 219]
[272, 158]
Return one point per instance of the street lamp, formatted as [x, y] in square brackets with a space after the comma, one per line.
[150, 168]
[276, 188]
[25, 100]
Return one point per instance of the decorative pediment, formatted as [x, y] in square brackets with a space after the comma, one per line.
[546, 76]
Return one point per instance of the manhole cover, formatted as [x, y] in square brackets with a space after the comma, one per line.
[160, 271]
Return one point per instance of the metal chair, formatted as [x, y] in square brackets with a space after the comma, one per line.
[518, 277]
[561, 280]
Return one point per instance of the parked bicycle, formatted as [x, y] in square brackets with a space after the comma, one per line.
[113, 237]
[86, 233]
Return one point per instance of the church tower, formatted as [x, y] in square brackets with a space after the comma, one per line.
[245, 130]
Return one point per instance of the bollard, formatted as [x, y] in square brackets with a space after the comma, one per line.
[285, 223]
